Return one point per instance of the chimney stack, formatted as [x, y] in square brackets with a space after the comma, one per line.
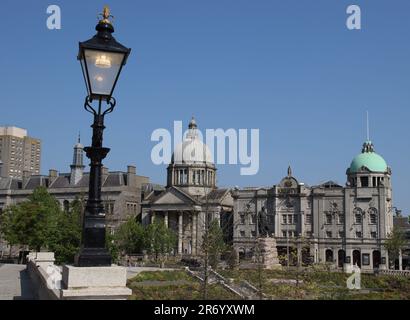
[104, 174]
[132, 176]
[52, 175]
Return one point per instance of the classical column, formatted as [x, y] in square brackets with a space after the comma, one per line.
[166, 218]
[194, 232]
[400, 260]
[180, 231]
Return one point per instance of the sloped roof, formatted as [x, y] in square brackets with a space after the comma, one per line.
[330, 184]
[215, 195]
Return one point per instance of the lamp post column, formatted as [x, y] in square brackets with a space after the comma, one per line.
[94, 252]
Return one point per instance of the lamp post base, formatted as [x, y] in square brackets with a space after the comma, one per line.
[93, 257]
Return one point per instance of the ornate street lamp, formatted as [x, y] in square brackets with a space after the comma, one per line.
[102, 59]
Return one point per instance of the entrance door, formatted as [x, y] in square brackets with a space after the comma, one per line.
[376, 259]
[356, 258]
[341, 256]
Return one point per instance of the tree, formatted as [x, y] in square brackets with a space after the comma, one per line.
[130, 237]
[65, 240]
[395, 242]
[39, 223]
[30, 223]
[159, 241]
[214, 243]
[112, 246]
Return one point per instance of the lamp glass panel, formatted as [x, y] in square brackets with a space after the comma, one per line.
[85, 74]
[103, 68]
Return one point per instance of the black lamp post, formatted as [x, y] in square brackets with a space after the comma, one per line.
[102, 59]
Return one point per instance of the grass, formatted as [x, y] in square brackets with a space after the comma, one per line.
[161, 276]
[322, 285]
[315, 285]
[189, 290]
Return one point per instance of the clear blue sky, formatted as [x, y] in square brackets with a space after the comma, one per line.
[290, 68]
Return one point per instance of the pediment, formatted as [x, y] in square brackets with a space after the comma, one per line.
[173, 196]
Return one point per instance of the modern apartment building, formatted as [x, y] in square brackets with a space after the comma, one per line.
[19, 154]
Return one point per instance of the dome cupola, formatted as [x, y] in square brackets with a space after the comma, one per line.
[368, 169]
[368, 160]
[192, 150]
[192, 165]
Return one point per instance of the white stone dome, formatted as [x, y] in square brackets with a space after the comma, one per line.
[192, 150]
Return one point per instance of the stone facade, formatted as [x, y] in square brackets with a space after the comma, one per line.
[340, 225]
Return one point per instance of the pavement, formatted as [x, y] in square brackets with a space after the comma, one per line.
[15, 283]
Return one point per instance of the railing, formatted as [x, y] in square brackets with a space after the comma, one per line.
[225, 284]
[401, 273]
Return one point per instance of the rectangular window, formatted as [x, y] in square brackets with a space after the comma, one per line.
[284, 234]
[341, 219]
[253, 219]
[328, 234]
[309, 218]
[366, 259]
[284, 219]
[373, 219]
[364, 181]
[328, 218]
[253, 234]
[358, 218]
[242, 219]
[290, 220]
[358, 235]
[242, 233]
[373, 234]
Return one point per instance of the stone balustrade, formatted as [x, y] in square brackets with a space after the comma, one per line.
[52, 282]
[402, 273]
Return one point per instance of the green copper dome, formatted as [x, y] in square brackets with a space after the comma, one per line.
[368, 159]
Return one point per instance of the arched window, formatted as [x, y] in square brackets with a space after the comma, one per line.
[66, 206]
[373, 215]
[329, 255]
[358, 215]
[376, 259]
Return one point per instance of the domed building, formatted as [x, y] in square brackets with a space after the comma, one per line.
[192, 168]
[326, 223]
[191, 192]
[368, 169]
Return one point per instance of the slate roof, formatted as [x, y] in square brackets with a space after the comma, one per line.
[215, 195]
[114, 179]
[331, 184]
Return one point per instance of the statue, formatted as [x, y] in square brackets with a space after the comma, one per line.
[263, 226]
